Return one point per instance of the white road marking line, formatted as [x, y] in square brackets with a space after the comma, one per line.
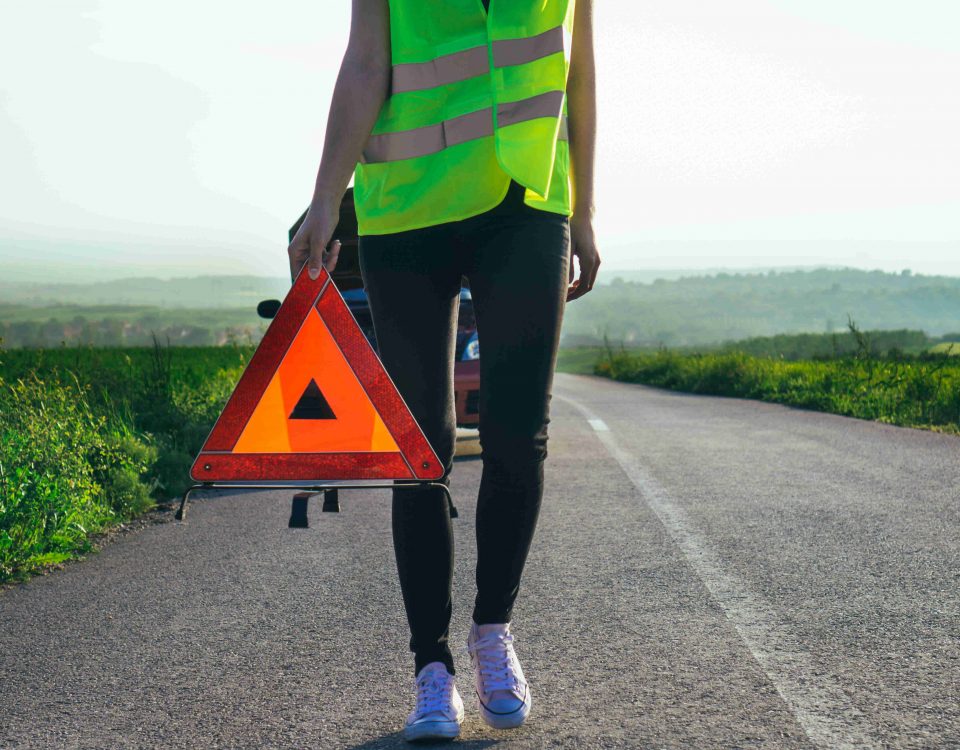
[598, 424]
[815, 698]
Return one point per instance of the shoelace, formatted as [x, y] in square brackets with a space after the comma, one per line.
[495, 658]
[433, 693]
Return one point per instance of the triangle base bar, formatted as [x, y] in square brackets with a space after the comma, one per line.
[250, 467]
[316, 488]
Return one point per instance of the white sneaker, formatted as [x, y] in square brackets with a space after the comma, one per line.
[502, 689]
[439, 710]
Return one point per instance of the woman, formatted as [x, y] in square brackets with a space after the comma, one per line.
[470, 134]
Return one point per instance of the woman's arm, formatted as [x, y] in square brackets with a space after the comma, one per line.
[359, 94]
[582, 126]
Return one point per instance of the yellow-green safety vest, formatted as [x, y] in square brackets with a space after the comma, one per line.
[476, 98]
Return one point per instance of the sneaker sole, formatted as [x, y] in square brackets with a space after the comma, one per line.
[506, 721]
[432, 730]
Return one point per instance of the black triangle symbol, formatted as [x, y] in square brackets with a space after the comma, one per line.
[312, 405]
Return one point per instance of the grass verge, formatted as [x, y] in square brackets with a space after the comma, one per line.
[909, 390]
[92, 438]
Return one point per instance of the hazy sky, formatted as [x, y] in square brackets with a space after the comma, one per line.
[184, 137]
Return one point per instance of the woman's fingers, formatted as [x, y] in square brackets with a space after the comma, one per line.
[304, 250]
[315, 261]
[594, 269]
[312, 245]
[323, 258]
[331, 259]
[589, 265]
[298, 251]
[572, 289]
[584, 246]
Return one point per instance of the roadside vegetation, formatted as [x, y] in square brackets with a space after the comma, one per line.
[90, 438]
[855, 376]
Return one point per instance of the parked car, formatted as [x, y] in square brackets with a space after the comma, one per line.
[466, 367]
[349, 281]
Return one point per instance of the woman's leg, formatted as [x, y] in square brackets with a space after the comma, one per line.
[413, 286]
[518, 278]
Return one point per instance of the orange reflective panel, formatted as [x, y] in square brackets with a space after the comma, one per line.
[314, 403]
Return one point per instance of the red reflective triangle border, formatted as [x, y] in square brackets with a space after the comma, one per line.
[218, 463]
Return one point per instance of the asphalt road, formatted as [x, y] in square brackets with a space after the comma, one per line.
[708, 572]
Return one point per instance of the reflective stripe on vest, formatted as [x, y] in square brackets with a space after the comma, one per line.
[468, 63]
[409, 144]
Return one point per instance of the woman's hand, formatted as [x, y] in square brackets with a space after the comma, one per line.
[310, 245]
[584, 246]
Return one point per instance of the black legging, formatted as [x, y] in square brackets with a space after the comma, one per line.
[516, 258]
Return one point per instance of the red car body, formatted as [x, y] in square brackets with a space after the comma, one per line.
[466, 384]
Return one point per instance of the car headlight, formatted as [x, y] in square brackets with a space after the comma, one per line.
[472, 349]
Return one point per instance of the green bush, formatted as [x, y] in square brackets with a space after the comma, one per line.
[915, 391]
[93, 437]
[65, 473]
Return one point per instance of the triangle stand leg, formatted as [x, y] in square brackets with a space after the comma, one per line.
[331, 497]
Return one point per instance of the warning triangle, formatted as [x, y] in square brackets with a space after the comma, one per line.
[315, 403]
